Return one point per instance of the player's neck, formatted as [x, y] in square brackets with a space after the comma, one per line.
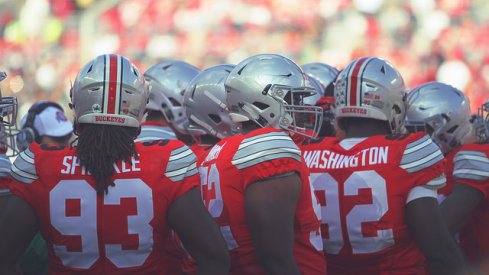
[364, 131]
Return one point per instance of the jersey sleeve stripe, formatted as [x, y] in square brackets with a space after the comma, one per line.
[181, 164]
[417, 145]
[29, 153]
[437, 182]
[22, 176]
[4, 192]
[422, 163]
[264, 146]
[471, 174]
[471, 165]
[178, 175]
[181, 155]
[269, 136]
[266, 156]
[26, 158]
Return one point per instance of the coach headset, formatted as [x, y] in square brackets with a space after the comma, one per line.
[28, 133]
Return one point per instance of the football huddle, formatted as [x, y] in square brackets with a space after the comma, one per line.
[260, 167]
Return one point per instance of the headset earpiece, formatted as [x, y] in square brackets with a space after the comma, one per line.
[28, 133]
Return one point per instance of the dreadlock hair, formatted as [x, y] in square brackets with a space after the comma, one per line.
[100, 146]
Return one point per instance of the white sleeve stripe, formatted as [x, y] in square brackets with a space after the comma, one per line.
[246, 144]
[26, 158]
[437, 182]
[180, 155]
[15, 169]
[181, 171]
[266, 152]
[29, 153]
[471, 157]
[417, 147]
[471, 171]
[421, 161]
[420, 192]
[22, 174]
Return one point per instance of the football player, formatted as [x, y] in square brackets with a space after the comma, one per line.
[444, 111]
[44, 123]
[377, 187]
[105, 206]
[204, 102]
[325, 75]
[8, 114]
[254, 182]
[165, 117]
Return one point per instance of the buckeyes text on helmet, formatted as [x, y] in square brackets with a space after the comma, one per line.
[268, 89]
[167, 82]
[370, 87]
[109, 90]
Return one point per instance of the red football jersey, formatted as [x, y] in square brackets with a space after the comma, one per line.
[121, 232]
[236, 162]
[469, 165]
[178, 260]
[363, 185]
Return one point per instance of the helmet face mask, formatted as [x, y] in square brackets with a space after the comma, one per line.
[8, 118]
[269, 90]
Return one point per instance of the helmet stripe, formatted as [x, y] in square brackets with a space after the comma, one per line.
[113, 75]
[355, 90]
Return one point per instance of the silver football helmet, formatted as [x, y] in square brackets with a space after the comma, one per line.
[167, 81]
[109, 90]
[268, 89]
[205, 103]
[323, 73]
[313, 99]
[8, 117]
[440, 110]
[370, 87]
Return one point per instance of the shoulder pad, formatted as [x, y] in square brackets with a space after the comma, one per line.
[420, 154]
[23, 168]
[472, 165]
[261, 148]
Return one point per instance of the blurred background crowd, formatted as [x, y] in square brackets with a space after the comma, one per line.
[43, 43]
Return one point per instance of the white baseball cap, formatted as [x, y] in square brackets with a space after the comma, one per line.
[51, 122]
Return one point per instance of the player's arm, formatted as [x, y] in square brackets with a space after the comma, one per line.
[458, 206]
[18, 225]
[424, 219]
[471, 176]
[270, 206]
[199, 233]
[422, 159]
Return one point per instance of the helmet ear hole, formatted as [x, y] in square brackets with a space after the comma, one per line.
[260, 105]
[215, 118]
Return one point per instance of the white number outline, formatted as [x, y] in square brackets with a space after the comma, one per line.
[210, 182]
[358, 214]
[86, 227]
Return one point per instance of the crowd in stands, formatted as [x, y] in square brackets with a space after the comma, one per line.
[41, 44]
